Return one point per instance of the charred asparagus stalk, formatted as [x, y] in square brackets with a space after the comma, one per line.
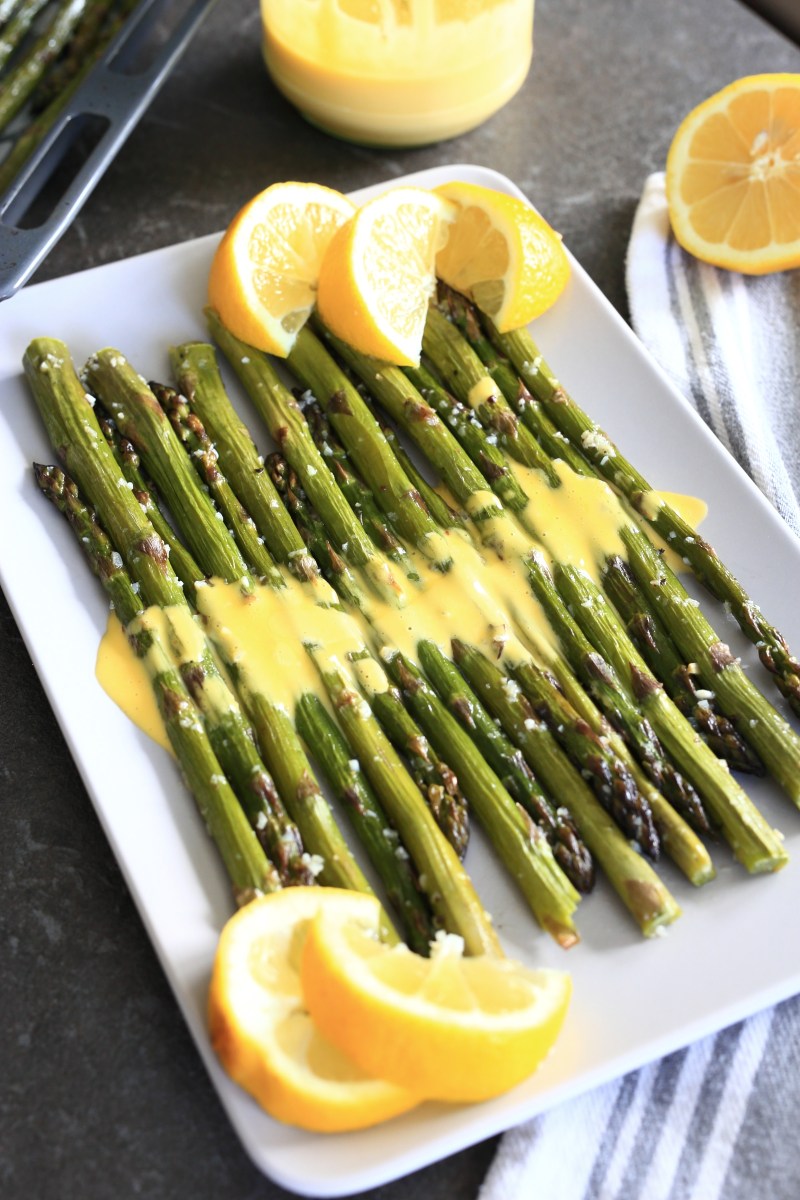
[680, 678]
[774, 740]
[446, 883]
[604, 685]
[510, 766]
[281, 413]
[195, 368]
[250, 871]
[757, 846]
[365, 812]
[631, 876]
[355, 491]
[140, 418]
[443, 513]
[609, 461]
[333, 566]
[750, 708]
[653, 639]
[180, 559]
[466, 375]
[437, 783]
[604, 760]
[550, 896]
[37, 129]
[511, 388]
[427, 413]
[608, 775]
[367, 447]
[191, 431]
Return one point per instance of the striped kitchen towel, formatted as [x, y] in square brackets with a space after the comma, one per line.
[715, 1121]
[729, 342]
[712, 1122]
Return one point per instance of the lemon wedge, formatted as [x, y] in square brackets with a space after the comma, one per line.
[501, 254]
[377, 275]
[446, 1027]
[263, 278]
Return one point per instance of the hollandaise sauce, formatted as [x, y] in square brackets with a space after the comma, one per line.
[280, 639]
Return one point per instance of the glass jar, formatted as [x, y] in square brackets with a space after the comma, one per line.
[398, 72]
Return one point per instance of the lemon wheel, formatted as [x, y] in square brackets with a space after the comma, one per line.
[733, 176]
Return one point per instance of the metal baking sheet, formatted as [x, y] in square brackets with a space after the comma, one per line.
[113, 97]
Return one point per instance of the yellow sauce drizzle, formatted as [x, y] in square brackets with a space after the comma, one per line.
[690, 508]
[265, 634]
[484, 599]
[577, 523]
[123, 677]
[481, 391]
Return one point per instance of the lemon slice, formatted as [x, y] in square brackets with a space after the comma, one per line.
[733, 176]
[501, 254]
[262, 1032]
[264, 273]
[448, 1027]
[377, 275]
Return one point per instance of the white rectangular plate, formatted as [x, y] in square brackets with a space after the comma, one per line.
[734, 950]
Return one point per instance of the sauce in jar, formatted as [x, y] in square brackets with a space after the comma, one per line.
[398, 72]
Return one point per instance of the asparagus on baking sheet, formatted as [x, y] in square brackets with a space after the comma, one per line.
[21, 80]
[17, 17]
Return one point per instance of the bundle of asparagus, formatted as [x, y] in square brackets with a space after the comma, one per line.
[598, 750]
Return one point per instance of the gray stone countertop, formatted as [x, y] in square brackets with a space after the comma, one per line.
[102, 1091]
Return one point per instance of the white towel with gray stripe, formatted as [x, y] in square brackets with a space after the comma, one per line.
[729, 342]
[715, 1121]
